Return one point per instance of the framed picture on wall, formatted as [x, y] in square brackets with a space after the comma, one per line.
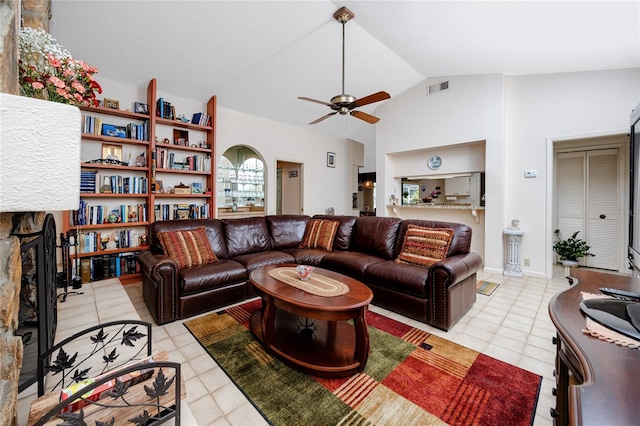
[331, 159]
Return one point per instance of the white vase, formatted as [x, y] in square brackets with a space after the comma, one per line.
[569, 263]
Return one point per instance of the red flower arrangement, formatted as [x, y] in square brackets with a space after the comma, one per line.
[47, 71]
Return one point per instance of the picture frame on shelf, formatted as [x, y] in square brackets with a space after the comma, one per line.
[331, 159]
[196, 188]
[140, 108]
[111, 103]
[111, 152]
[159, 187]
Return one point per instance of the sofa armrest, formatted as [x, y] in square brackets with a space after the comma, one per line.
[444, 276]
[159, 285]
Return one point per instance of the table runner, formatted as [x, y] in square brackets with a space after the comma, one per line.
[317, 284]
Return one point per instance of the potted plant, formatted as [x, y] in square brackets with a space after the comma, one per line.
[571, 249]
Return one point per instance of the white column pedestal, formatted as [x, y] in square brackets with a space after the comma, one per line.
[514, 236]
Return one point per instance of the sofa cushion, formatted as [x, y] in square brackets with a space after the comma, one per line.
[286, 230]
[375, 235]
[398, 277]
[248, 235]
[202, 278]
[187, 247]
[215, 233]
[307, 256]
[342, 240]
[252, 261]
[425, 246]
[350, 263]
[320, 233]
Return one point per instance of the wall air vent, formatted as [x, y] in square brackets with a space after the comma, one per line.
[438, 87]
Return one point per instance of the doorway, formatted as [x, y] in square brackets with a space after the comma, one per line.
[289, 188]
[591, 195]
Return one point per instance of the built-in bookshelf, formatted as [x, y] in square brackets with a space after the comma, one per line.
[137, 168]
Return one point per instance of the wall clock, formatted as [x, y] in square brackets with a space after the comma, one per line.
[435, 162]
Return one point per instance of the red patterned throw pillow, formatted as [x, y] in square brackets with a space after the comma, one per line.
[187, 247]
[425, 246]
[320, 233]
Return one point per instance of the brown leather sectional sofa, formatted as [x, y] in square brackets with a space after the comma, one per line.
[363, 248]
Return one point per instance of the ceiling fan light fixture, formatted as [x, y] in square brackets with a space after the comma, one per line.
[345, 104]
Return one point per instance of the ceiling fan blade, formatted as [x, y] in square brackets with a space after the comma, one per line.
[324, 117]
[315, 100]
[376, 97]
[364, 116]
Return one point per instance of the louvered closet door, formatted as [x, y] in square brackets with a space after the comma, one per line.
[587, 190]
[571, 193]
[602, 208]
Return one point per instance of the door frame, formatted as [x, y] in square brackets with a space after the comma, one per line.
[299, 194]
[590, 142]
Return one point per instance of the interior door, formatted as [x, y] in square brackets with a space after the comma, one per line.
[602, 208]
[588, 197]
[289, 187]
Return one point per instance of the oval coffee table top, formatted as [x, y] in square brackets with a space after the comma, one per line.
[359, 294]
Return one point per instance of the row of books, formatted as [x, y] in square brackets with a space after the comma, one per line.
[165, 109]
[118, 184]
[181, 211]
[166, 160]
[87, 181]
[96, 268]
[95, 241]
[96, 214]
[201, 118]
[133, 130]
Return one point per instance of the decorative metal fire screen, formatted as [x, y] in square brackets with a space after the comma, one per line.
[38, 313]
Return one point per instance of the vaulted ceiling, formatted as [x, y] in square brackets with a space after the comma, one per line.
[259, 56]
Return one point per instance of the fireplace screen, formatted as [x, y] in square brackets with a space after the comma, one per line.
[38, 297]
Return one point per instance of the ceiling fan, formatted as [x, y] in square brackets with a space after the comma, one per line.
[343, 103]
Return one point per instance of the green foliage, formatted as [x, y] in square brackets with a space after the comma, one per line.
[572, 248]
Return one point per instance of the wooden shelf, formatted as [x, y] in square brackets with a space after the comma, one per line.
[115, 112]
[113, 139]
[103, 195]
[181, 124]
[182, 195]
[182, 172]
[112, 251]
[111, 225]
[163, 145]
[101, 166]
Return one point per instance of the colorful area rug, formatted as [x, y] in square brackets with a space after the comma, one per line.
[486, 288]
[411, 378]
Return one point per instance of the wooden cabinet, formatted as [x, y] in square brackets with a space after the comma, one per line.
[457, 186]
[129, 163]
[596, 380]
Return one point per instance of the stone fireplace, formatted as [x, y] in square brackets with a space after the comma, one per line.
[39, 173]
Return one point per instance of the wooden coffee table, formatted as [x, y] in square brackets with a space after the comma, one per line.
[310, 332]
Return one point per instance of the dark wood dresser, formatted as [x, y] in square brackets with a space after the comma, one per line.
[597, 382]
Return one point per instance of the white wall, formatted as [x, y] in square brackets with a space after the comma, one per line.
[471, 110]
[517, 116]
[543, 108]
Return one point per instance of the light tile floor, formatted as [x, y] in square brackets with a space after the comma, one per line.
[512, 325]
